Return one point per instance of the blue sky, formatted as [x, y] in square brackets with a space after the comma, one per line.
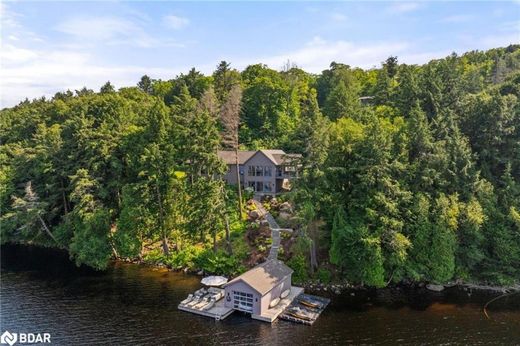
[52, 46]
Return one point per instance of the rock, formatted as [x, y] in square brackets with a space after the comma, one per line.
[185, 270]
[337, 291]
[254, 214]
[435, 288]
[352, 294]
[200, 273]
[264, 223]
[286, 207]
[284, 216]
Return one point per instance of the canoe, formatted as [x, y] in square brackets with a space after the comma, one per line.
[299, 315]
[285, 293]
[310, 304]
[274, 302]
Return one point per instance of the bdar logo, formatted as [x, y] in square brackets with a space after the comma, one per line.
[8, 338]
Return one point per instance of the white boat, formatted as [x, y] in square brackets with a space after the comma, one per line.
[187, 300]
[274, 302]
[285, 293]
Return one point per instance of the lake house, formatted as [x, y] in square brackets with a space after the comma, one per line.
[266, 172]
[255, 290]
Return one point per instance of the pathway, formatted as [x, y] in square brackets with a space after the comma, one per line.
[275, 230]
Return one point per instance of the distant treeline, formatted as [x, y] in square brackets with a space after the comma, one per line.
[409, 172]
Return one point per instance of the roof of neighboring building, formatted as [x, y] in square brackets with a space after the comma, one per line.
[265, 276]
[228, 156]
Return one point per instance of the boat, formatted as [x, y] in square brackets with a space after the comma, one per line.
[209, 305]
[274, 302]
[187, 300]
[285, 293]
[194, 302]
[297, 313]
[202, 303]
[310, 304]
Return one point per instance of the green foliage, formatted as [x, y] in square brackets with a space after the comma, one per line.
[324, 275]
[299, 265]
[421, 181]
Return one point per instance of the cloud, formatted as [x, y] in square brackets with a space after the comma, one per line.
[317, 54]
[35, 73]
[403, 7]
[112, 31]
[175, 22]
[338, 17]
[458, 18]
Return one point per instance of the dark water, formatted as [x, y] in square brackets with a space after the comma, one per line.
[41, 291]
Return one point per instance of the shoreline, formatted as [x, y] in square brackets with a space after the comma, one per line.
[313, 286]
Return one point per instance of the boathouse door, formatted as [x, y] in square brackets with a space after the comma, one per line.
[243, 301]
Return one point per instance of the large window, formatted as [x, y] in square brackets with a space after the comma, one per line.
[259, 171]
[268, 171]
[259, 186]
[251, 171]
[268, 187]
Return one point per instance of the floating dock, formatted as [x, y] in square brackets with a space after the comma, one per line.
[299, 310]
[218, 311]
[270, 315]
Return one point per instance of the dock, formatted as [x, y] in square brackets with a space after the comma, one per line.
[309, 315]
[270, 315]
[218, 311]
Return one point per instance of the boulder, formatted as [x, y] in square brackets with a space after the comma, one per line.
[254, 214]
[285, 207]
[435, 288]
[284, 215]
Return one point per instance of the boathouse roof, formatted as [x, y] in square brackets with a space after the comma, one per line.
[265, 276]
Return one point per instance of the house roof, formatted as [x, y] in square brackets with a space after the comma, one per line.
[228, 156]
[265, 276]
[276, 156]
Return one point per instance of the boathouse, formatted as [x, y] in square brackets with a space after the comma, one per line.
[257, 288]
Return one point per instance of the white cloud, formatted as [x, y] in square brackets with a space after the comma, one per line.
[458, 18]
[338, 17]
[403, 7]
[112, 31]
[317, 54]
[35, 73]
[175, 22]
[97, 29]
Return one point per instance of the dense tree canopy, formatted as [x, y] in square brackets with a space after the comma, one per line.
[408, 173]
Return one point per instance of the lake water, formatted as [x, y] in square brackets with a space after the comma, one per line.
[41, 291]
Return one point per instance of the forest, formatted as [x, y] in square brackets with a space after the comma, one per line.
[410, 173]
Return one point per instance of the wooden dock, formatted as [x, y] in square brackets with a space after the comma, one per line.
[311, 313]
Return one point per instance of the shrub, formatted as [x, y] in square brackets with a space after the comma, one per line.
[324, 275]
[299, 265]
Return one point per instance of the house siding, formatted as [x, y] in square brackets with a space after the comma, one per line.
[259, 159]
[275, 293]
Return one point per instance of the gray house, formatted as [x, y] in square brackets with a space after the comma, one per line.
[266, 172]
[254, 290]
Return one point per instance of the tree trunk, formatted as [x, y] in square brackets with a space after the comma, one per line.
[228, 240]
[214, 240]
[313, 256]
[161, 222]
[238, 183]
[47, 230]
[65, 207]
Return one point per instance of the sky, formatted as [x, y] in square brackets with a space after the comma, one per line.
[48, 47]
